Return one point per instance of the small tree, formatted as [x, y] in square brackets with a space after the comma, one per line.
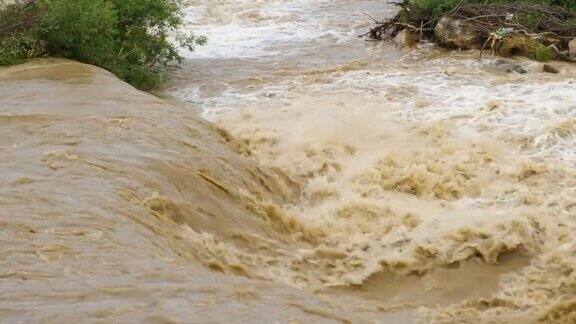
[136, 40]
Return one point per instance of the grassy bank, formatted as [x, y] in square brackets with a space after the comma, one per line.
[540, 29]
[136, 40]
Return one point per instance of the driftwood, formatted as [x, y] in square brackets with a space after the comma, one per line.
[408, 18]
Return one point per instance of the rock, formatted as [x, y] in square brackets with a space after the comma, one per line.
[405, 38]
[572, 49]
[550, 69]
[516, 69]
[503, 65]
[455, 33]
[559, 55]
[555, 51]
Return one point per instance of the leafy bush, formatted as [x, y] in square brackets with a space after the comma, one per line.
[16, 43]
[15, 49]
[84, 30]
[542, 53]
[525, 46]
[435, 7]
[132, 39]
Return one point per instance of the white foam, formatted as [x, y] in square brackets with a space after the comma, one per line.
[248, 29]
[522, 109]
[457, 89]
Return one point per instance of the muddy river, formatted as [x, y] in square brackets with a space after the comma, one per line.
[292, 173]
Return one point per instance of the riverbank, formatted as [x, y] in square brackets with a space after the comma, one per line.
[540, 30]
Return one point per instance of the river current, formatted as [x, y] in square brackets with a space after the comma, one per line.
[412, 161]
[292, 173]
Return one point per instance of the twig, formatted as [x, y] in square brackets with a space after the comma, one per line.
[376, 21]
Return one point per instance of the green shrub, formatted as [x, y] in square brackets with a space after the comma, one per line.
[83, 30]
[16, 41]
[542, 53]
[15, 49]
[436, 7]
[525, 46]
[129, 38]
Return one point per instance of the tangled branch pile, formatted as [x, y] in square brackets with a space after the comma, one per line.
[409, 18]
[536, 30]
[530, 19]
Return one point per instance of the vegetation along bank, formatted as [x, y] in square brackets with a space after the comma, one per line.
[539, 29]
[136, 40]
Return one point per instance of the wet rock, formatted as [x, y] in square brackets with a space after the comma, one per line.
[572, 49]
[516, 68]
[455, 33]
[508, 66]
[405, 38]
[550, 68]
[501, 62]
[557, 54]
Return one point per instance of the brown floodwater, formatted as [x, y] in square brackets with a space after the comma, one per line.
[293, 173]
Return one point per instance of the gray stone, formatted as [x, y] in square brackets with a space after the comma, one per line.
[516, 69]
[550, 69]
[455, 33]
[555, 52]
[505, 65]
[572, 49]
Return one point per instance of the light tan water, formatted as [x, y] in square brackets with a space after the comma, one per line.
[346, 181]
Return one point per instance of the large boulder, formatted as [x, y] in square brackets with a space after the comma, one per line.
[572, 49]
[454, 33]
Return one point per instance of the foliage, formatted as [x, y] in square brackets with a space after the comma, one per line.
[136, 40]
[525, 46]
[84, 30]
[16, 43]
[438, 7]
[16, 49]
[435, 7]
[542, 53]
